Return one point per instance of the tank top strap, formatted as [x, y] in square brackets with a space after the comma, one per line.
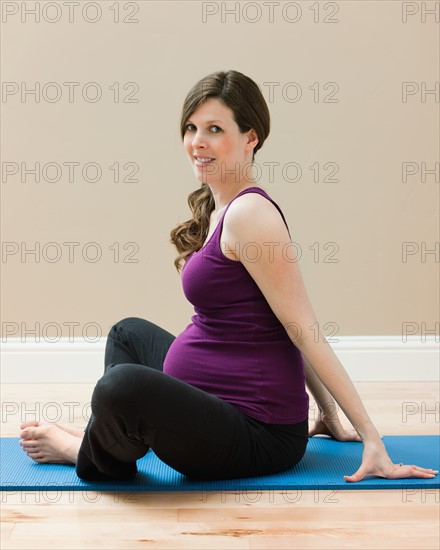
[251, 190]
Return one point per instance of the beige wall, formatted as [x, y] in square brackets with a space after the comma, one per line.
[366, 129]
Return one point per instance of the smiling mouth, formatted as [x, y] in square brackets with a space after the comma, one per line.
[204, 160]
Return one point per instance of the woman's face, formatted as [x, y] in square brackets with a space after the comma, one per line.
[211, 132]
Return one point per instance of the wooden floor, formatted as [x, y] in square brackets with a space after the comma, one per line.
[399, 519]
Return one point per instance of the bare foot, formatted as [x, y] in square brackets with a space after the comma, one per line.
[49, 443]
[74, 431]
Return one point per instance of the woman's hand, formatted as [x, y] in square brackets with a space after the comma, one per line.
[376, 462]
[330, 425]
[375, 459]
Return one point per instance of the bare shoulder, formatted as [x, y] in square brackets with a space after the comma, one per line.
[255, 213]
[253, 218]
[251, 202]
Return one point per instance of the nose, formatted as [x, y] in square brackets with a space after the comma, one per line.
[198, 142]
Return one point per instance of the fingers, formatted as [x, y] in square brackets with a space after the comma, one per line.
[397, 472]
[353, 478]
[427, 470]
[357, 476]
[313, 432]
[353, 436]
[404, 471]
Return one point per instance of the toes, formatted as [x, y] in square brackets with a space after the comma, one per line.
[29, 423]
[33, 453]
[36, 456]
[28, 443]
[30, 432]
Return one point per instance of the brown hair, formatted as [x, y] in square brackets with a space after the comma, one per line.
[242, 95]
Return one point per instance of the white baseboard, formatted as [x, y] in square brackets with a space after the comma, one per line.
[365, 358]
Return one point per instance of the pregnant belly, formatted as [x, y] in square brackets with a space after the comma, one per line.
[209, 364]
[263, 379]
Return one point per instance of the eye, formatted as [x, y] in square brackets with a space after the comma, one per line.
[190, 126]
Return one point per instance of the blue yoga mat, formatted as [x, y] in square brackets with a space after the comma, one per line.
[323, 466]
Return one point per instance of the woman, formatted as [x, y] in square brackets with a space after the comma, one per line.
[227, 397]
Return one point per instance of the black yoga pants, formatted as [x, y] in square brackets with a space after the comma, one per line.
[135, 406]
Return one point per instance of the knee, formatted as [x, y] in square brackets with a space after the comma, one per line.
[124, 326]
[131, 329]
[121, 385]
[127, 321]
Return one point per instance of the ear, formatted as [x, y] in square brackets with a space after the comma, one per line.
[252, 139]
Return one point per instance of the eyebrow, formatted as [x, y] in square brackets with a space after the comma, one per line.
[208, 121]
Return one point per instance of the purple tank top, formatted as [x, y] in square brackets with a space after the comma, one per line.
[235, 347]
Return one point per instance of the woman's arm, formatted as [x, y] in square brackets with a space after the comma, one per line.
[279, 278]
[323, 397]
[328, 368]
[328, 382]
[252, 219]
[326, 418]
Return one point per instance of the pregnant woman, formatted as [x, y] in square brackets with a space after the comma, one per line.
[227, 397]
